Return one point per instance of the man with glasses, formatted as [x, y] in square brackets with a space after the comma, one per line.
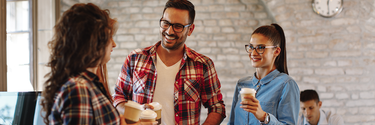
[171, 73]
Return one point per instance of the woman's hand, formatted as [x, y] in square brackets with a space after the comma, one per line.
[122, 120]
[252, 105]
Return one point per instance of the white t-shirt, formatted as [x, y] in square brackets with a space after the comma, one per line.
[164, 89]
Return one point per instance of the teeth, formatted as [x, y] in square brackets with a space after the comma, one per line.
[256, 59]
[170, 38]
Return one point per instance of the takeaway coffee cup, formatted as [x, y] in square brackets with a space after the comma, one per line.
[247, 92]
[148, 116]
[157, 110]
[133, 111]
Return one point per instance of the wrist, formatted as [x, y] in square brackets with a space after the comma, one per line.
[266, 119]
[262, 117]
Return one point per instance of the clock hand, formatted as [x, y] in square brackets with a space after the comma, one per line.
[328, 6]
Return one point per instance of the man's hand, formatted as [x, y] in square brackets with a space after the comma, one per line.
[121, 108]
[148, 106]
[213, 119]
[254, 107]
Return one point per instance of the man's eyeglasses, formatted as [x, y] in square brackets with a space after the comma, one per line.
[176, 26]
[259, 49]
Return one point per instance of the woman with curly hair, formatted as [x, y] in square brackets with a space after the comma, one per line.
[76, 91]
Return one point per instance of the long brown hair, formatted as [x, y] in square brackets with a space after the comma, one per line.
[81, 36]
[275, 34]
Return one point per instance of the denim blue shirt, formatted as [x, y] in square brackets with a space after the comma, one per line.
[278, 95]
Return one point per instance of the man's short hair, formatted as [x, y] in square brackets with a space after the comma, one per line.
[183, 5]
[308, 95]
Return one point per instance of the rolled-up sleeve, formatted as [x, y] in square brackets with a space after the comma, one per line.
[123, 87]
[211, 94]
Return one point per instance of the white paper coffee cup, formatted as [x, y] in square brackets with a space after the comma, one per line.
[247, 92]
[133, 111]
[148, 116]
[157, 109]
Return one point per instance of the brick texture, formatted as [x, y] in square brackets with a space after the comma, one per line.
[335, 56]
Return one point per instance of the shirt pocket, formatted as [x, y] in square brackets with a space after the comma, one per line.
[191, 90]
[139, 83]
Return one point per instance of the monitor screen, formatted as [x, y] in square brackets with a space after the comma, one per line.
[20, 108]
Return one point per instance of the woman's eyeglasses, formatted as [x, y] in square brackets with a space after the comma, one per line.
[259, 49]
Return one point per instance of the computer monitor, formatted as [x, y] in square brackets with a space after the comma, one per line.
[20, 108]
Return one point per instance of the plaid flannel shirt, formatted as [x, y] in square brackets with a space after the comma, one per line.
[196, 83]
[82, 101]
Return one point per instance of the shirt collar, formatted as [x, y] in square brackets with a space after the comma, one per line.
[322, 119]
[269, 77]
[95, 80]
[90, 76]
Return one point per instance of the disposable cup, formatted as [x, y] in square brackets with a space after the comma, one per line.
[246, 92]
[133, 111]
[148, 116]
[157, 110]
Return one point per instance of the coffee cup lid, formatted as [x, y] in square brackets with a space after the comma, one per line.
[156, 105]
[247, 90]
[134, 105]
[148, 114]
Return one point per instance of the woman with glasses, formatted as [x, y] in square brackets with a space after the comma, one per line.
[277, 95]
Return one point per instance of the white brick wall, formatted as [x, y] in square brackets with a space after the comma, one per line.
[335, 56]
[342, 49]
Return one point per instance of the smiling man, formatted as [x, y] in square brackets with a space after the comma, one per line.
[311, 112]
[171, 73]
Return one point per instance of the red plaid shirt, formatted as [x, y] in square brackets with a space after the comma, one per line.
[82, 101]
[196, 83]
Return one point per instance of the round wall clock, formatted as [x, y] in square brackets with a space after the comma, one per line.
[327, 8]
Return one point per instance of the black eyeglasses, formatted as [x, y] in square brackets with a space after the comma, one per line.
[259, 49]
[176, 26]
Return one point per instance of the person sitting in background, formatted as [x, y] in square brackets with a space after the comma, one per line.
[311, 112]
[76, 90]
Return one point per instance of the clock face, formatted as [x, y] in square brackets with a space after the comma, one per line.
[327, 8]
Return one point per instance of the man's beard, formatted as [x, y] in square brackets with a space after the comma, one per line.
[176, 45]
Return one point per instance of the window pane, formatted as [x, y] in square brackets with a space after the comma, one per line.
[18, 48]
[7, 108]
[46, 21]
[17, 16]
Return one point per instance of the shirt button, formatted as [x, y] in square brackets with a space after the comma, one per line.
[176, 114]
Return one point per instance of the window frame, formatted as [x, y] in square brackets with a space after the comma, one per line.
[33, 32]
[3, 52]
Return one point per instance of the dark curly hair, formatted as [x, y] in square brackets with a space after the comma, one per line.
[81, 36]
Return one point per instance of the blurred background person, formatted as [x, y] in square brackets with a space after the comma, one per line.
[311, 112]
